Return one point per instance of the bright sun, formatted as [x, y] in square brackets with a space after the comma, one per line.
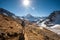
[26, 2]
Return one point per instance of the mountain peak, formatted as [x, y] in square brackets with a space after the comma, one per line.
[29, 15]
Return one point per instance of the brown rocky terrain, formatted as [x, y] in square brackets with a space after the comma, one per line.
[9, 28]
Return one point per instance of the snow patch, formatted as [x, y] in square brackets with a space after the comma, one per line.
[56, 26]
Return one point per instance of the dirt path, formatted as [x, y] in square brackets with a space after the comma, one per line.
[26, 38]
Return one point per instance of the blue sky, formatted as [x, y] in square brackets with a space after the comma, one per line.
[35, 8]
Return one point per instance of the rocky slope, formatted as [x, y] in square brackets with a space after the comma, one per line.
[37, 33]
[52, 19]
[9, 28]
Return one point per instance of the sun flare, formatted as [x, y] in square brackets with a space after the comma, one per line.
[26, 2]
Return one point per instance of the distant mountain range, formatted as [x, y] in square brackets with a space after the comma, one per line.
[32, 19]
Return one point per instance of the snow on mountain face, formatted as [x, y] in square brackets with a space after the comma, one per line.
[31, 18]
[52, 19]
[55, 17]
[52, 22]
[57, 26]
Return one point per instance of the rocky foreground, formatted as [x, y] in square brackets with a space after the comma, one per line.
[10, 29]
[37, 33]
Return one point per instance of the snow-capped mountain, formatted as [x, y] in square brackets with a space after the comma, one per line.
[55, 17]
[31, 18]
[52, 19]
[52, 22]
